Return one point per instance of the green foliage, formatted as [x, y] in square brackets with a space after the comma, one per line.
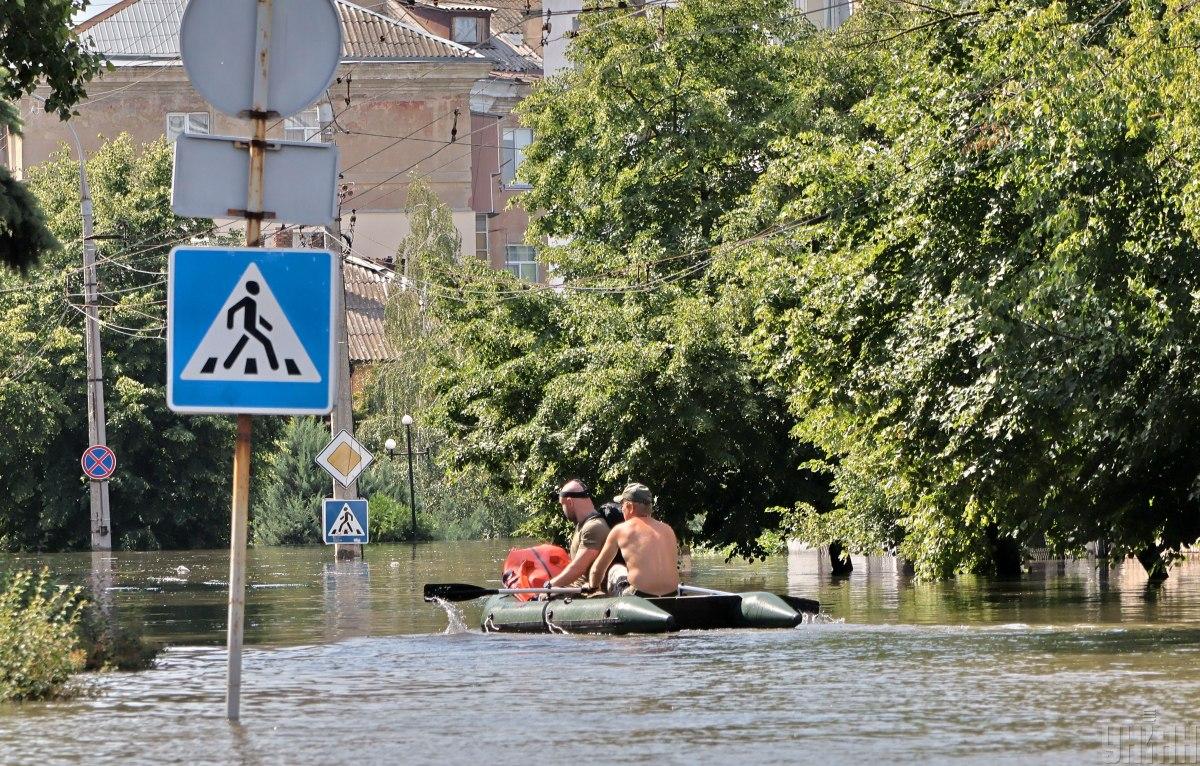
[39, 644]
[286, 504]
[982, 305]
[452, 504]
[171, 488]
[37, 46]
[630, 373]
[108, 645]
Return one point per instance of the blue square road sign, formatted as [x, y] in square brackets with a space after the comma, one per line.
[344, 521]
[250, 331]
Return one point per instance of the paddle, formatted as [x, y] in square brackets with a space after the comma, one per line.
[456, 591]
[810, 605]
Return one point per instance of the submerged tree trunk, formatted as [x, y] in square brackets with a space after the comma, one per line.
[1152, 560]
[839, 560]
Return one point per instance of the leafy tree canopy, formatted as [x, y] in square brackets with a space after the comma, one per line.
[979, 296]
[172, 485]
[37, 45]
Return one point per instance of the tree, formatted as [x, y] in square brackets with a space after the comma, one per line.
[456, 504]
[172, 484]
[36, 44]
[628, 372]
[983, 308]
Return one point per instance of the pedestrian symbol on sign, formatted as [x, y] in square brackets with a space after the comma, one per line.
[251, 339]
[346, 524]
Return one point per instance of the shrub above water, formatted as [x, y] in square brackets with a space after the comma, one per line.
[39, 640]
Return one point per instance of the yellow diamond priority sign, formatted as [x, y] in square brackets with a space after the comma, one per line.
[344, 458]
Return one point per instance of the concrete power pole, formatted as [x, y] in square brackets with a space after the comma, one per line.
[101, 519]
[343, 409]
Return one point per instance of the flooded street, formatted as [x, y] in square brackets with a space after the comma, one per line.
[346, 664]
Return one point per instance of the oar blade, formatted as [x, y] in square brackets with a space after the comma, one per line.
[455, 591]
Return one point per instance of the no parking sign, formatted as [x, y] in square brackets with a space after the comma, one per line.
[98, 462]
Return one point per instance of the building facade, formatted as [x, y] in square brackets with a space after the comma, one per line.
[424, 92]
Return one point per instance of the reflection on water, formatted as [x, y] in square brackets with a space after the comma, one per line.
[347, 664]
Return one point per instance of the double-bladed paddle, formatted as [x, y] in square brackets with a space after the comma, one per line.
[457, 591]
[809, 605]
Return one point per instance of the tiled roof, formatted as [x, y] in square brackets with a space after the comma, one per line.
[367, 288]
[505, 45]
[511, 55]
[149, 29]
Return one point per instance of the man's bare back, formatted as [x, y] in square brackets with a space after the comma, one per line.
[648, 546]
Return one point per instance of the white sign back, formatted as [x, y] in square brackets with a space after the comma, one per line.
[217, 43]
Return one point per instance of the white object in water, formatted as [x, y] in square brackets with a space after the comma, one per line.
[182, 571]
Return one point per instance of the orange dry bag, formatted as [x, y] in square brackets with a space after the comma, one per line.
[533, 567]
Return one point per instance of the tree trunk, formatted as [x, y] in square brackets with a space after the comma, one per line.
[1152, 560]
[839, 562]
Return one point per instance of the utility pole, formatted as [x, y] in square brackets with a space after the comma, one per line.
[101, 518]
[343, 410]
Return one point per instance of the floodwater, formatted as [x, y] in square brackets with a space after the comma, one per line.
[347, 665]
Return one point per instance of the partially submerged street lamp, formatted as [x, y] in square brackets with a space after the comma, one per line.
[412, 487]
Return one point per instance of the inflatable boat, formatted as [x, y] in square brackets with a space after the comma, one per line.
[637, 614]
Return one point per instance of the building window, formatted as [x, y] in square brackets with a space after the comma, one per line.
[481, 236]
[186, 122]
[465, 29]
[521, 260]
[512, 154]
[305, 126]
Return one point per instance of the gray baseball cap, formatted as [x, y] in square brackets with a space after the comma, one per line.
[638, 493]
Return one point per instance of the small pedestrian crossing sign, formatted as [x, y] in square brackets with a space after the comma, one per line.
[344, 521]
[249, 330]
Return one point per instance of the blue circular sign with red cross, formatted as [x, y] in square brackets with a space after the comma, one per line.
[98, 462]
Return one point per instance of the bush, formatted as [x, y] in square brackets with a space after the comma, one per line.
[292, 487]
[109, 646]
[39, 638]
[391, 522]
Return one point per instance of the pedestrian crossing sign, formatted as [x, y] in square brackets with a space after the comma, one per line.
[344, 521]
[250, 331]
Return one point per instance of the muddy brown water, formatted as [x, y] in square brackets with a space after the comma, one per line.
[1075, 663]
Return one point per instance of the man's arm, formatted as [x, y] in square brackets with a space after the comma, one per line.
[576, 569]
[607, 554]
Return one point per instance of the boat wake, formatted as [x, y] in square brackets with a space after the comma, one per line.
[821, 619]
[456, 623]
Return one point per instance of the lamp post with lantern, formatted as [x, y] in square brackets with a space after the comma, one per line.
[390, 446]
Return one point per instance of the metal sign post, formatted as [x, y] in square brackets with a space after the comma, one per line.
[241, 453]
[304, 42]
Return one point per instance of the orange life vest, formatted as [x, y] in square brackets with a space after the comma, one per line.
[533, 567]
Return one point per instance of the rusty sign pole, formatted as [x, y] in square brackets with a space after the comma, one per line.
[241, 455]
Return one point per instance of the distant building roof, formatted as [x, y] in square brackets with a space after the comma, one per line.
[368, 285]
[505, 45]
[511, 55]
[143, 31]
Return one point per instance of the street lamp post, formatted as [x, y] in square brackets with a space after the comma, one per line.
[412, 487]
[101, 516]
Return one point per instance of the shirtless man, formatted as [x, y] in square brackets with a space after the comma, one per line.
[587, 540]
[648, 546]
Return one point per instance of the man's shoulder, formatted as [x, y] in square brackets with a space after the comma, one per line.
[590, 523]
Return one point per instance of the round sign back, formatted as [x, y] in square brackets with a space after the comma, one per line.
[217, 40]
